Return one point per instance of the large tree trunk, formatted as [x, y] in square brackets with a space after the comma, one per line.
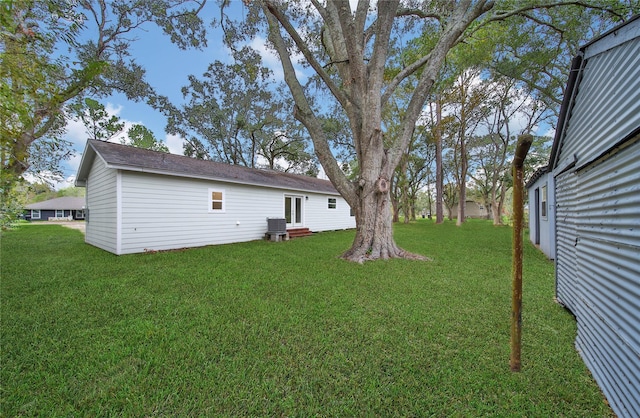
[439, 177]
[374, 227]
[357, 55]
[462, 182]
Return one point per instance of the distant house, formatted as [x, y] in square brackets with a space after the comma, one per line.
[593, 184]
[472, 209]
[139, 200]
[59, 209]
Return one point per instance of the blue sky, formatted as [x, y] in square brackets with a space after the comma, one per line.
[167, 68]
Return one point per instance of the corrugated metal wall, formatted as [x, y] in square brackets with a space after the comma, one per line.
[597, 172]
[608, 276]
[566, 235]
[606, 107]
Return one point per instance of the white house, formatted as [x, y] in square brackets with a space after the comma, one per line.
[139, 200]
[594, 180]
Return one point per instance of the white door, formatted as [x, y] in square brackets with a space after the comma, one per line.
[293, 211]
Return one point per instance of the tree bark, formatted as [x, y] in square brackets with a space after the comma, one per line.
[462, 183]
[439, 176]
[359, 83]
[374, 227]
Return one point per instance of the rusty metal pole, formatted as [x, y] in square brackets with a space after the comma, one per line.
[522, 148]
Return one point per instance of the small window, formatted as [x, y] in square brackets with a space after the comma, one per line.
[35, 213]
[216, 200]
[59, 213]
[543, 202]
[332, 203]
[80, 214]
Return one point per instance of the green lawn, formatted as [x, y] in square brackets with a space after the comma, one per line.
[284, 329]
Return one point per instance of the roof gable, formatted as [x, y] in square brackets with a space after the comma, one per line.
[124, 157]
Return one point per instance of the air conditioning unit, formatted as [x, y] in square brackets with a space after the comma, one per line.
[276, 226]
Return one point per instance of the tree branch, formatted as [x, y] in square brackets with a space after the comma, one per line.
[273, 10]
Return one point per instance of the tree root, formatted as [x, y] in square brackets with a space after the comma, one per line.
[359, 256]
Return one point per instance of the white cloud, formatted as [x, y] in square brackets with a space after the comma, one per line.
[175, 144]
[271, 60]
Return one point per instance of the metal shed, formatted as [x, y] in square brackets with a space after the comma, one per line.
[596, 165]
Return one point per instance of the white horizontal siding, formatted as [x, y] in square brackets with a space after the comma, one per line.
[318, 216]
[102, 207]
[164, 212]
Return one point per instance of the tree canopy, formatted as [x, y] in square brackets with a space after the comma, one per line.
[358, 59]
[344, 68]
[56, 52]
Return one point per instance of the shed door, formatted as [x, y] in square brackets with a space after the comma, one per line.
[293, 210]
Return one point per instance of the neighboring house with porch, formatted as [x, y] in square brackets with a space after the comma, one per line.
[592, 207]
[59, 209]
[139, 200]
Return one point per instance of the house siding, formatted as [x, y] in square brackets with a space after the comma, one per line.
[566, 236]
[606, 107]
[162, 212]
[597, 169]
[546, 240]
[320, 218]
[101, 205]
[608, 279]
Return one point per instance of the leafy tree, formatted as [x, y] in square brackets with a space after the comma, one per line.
[466, 105]
[71, 192]
[54, 52]
[350, 53]
[450, 197]
[535, 47]
[235, 116]
[513, 109]
[141, 137]
[99, 124]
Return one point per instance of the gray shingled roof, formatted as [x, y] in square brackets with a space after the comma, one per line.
[60, 203]
[129, 158]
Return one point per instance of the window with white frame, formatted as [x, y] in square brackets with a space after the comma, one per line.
[332, 203]
[216, 200]
[59, 213]
[80, 214]
[35, 213]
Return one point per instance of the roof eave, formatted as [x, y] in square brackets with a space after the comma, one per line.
[85, 165]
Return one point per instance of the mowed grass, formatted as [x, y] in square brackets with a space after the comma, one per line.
[284, 329]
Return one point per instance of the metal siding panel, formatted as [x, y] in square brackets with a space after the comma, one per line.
[607, 105]
[597, 348]
[566, 199]
[608, 310]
